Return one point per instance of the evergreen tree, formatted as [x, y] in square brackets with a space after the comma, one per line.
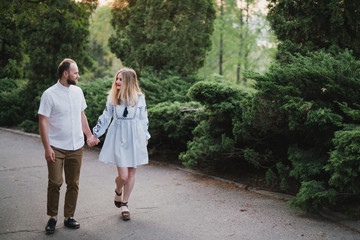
[35, 37]
[52, 30]
[57, 29]
[11, 45]
[167, 35]
[304, 108]
[307, 103]
[312, 25]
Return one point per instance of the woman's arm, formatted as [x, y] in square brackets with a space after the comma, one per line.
[144, 117]
[104, 120]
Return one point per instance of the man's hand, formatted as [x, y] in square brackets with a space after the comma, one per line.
[92, 141]
[50, 155]
[43, 128]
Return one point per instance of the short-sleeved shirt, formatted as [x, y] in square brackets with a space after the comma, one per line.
[63, 106]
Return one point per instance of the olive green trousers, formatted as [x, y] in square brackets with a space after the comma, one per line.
[70, 163]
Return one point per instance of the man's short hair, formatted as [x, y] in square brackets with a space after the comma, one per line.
[64, 66]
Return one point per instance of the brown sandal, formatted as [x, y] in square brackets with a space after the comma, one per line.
[117, 203]
[125, 214]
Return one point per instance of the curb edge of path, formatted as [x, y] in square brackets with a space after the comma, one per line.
[336, 217]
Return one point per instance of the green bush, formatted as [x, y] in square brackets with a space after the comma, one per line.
[289, 126]
[172, 116]
[165, 86]
[30, 126]
[344, 162]
[314, 195]
[305, 102]
[95, 93]
[214, 142]
[11, 102]
[171, 126]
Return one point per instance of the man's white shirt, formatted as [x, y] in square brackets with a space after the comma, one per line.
[63, 106]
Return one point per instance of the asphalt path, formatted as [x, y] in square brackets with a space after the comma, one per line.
[167, 203]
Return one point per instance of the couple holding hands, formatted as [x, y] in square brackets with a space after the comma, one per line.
[63, 124]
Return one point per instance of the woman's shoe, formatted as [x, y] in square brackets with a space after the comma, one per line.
[125, 214]
[117, 203]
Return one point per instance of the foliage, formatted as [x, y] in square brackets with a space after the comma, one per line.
[11, 46]
[171, 124]
[311, 98]
[29, 126]
[279, 179]
[241, 40]
[344, 162]
[315, 98]
[35, 37]
[314, 195]
[95, 93]
[166, 86]
[312, 25]
[105, 62]
[100, 26]
[167, 35]
[214, 143]
[10, 102]
[172, 115]
[271, 177]
[56, 30]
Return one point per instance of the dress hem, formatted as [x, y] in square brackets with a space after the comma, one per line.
[124, 166]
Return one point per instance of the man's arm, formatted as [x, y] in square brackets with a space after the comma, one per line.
[43, 127]
[91, 140]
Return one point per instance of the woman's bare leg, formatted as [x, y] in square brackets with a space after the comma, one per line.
[120, 181]
[129, 184]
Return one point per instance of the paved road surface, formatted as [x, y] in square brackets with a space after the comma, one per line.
[166, 204]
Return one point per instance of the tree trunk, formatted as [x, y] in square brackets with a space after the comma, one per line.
[221, 37]
[241, 40]
[246, 54]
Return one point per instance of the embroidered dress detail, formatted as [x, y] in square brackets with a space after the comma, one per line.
[125, 142]
[132, 111]
[125, 112]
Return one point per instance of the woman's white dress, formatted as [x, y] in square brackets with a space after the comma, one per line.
[125, 142]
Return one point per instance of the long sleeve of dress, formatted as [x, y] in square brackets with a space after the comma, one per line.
[104, 120]
[144, 117]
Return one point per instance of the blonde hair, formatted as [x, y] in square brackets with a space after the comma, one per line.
[129, 90]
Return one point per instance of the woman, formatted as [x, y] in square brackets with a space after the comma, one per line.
[126, 140]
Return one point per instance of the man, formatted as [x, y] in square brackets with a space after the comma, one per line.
[62, 124]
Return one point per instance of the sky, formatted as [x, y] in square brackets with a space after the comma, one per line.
[105, 2]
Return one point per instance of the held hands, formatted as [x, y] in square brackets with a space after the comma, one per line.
[92, 141]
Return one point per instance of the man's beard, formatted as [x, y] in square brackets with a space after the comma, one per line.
[71, 82]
